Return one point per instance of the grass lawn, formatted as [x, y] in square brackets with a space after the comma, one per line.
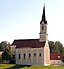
[13, 66]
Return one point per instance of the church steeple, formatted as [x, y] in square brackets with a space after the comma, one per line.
[43, 27]
[43, 16]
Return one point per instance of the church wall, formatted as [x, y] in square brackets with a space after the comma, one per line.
[33, 60]
[16, 56]
[13, 47]
[39, 57]
[46, 54]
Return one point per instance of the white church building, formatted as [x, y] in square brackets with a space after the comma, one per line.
[33, 51]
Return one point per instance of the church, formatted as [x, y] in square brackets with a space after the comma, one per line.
[33, 51]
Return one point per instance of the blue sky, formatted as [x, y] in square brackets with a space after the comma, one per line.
[20, 19]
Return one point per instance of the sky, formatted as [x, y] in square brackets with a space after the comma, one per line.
[20, 19]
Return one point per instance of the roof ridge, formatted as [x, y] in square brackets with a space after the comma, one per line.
[26, 39]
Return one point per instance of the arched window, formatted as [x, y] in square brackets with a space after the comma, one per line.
[39, 54]
[19, 56]
[34, 54]
[24, 56]
[29, 55]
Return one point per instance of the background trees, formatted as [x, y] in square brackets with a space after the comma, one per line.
[5, 47]
[56, 47]
[6, 55]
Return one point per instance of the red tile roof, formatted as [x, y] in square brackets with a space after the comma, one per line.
[32, 43]
[55, 56]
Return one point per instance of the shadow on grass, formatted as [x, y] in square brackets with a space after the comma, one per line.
[18, 66]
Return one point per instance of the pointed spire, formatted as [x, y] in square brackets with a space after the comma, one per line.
[43, 16]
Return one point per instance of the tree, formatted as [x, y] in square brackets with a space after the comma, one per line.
[63, 50]
[51, 46]
[0, 59]
[4, 45]
[5, 55]
[56, 47]
[1, 47]
[59, 47]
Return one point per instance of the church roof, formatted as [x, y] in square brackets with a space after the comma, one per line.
[31, 43]
[43, 16]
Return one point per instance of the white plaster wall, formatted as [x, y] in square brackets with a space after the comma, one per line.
[55, 62]
[46, 54]
[13, 48]
[37, 60]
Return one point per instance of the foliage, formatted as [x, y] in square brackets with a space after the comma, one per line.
[0, 59]
[51, 46]
[5, 55]
[56, 47]
[1, 47]
[4, 45]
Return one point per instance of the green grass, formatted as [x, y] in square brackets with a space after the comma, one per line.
[13, 66]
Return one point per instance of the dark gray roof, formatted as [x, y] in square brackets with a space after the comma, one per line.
[43, 16]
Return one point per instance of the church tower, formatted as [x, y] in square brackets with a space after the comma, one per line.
[43, 27]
